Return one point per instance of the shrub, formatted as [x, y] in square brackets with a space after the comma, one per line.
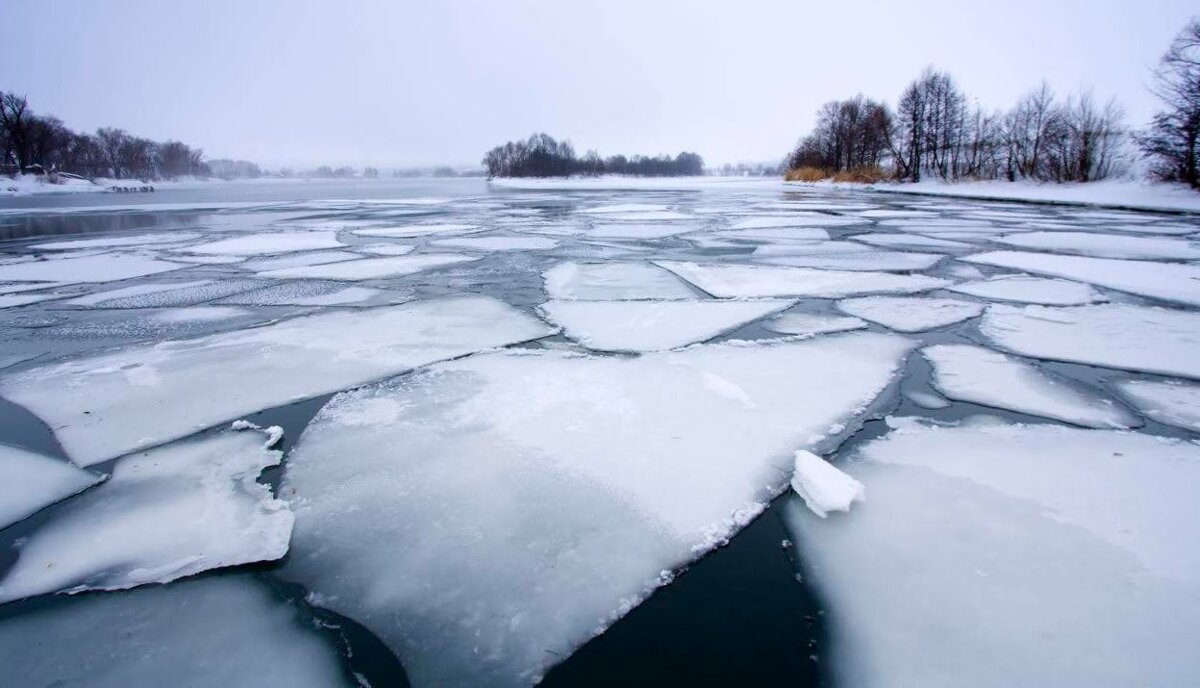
[806, 174]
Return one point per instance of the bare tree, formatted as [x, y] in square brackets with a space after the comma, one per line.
[1173, 140]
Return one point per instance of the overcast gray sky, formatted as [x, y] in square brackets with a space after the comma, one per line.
[305, 82]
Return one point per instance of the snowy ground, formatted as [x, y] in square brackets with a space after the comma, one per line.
[492, 425]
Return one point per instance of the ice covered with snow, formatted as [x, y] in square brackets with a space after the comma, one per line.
[653, 325]
[107, 405]
[94, 268]
[927, 400]
[648, 216]
[787, 234]
[209, 633]
[613, 281]
[267, 244]
[305, 293]
[639, 231]
[1167, 281]
[371, 268]
[163, 514]
[624, 208]
[1012, 555]
[497, 243]
[810, 220]
[755, 281]
[19, 287]
[100, 297]
[1105, 245]
[166, 295]
[30, 481]
[385, 249]
[1027, 289]
[822, 486]
[891, 240]
[813, 323]
[410, 231]
[118, 241]
[298, 260]
[894, 261]
[1173, 403]
[199, 314]
[14, 300]
[1122, 336]
[910, 314]
[485, 517]
[982, 376]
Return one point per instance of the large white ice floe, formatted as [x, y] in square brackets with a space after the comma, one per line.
[775, 234]
[305, 293]
[753, 281]
[372, 268]
[630, 230]
[497, 243]
[30, 481]
[823, 487]
[982, 376]
[209, 633]
[894, 261]
[267, 244]
[118, 241]
[910, 314]
[166, 295]
[515, 505]
[163, 514]
[96, 268]
[1027, 289]
[1151, 340]
[297, 260]
[653, 325]
[14, 300]
[1166, 281]
[409, 231]
[813, 323]
[1012, 555]
[1105, 245]
[108, 405]
[1173, 403]
[798, 220]
[613, 281]
[384, 249]
[901, 240]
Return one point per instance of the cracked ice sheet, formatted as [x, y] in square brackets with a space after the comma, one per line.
[888, 240]
[613, 281]
[755, 281]
[298, 260]
[215, 632]
[104, 406]
[95, 268]
[1166, 281]
[1026, 289]
[982, 376]
[910, 314]
[639, 231]
[267, 244]
[114, 242]
[1172, 403]
[497, 243]
[30, 481]
[371, 268]
[605, 474]
[163, 514]
[166, 295]
[894, 261]
[814, 220]
[653, 325]
[1151, 340]
[1105, 245]
[1012, 575]
[409, 231]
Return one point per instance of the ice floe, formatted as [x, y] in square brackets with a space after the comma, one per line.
[822, 486]
[118, 241]
[305, 293]
[755, 281]
[640, 231]
[497, 243]
[30, 481]
[653, 325]
[887, 240]
[108, 405]
[298, 260]
[371, 268]
[812, 220]
[1105, 245]
[605, 474]
[813, 323]
[93, 268]
[166, 295]
[910, 314]
[385, 249]
[1026, 289]
[1173, 403]
[613, 281]
[981, 376]
[410, 231]
[267, 244]
[895, 261]
[1152, 340]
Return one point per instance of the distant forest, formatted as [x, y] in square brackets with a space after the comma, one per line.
[935, 132]
[542, 156]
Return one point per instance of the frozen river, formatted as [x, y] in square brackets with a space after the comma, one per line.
[441, 432]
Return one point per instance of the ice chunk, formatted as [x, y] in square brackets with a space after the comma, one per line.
[640, 231]
[167, 295]
[30, 481]
[1027, 556]
[653, 325]
[1026, 289]
[114, 242]
[408, 231]
[776, 234]
[266, 244]
[372, 268]
[1152, 340]
[895, 261]
[753, 281]
[108, 405]
[14, 300]
[809, 248]
[813, 323]
[209, 633]
[910, 314]
[299, 260]
[811, 220]
[1166, 281]
[1173, 403]
[823, 487]
[208, 260]
[485, 517]
[624, 208]
[385, 249]
[653, 216]
[199, 314]
[927, 400]
[98, 298]
[613, 281]
[497, 243]
[19, 287]
[891, 213]
[1104, 245]
[164, 514]
[909, 241]
[981, 376]
[305, 293]
[95, 268]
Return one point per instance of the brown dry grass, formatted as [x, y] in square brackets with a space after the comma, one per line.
[861, 175]
[805, 174]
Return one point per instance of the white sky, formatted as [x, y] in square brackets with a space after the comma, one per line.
[301, 82]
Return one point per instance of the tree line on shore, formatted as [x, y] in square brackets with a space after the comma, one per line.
[935, 132]
[542, 156]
